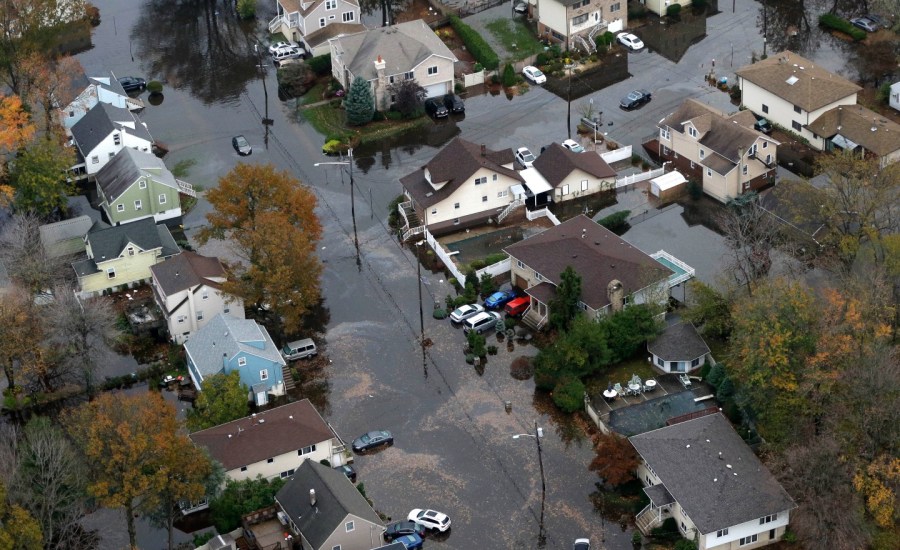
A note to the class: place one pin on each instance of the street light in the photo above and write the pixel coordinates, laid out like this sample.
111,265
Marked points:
421,313
349,162
537,435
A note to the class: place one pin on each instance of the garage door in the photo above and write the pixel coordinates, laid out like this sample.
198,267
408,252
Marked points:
436,89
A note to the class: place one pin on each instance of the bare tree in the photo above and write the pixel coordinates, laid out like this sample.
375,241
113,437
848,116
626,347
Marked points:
750,234
24,256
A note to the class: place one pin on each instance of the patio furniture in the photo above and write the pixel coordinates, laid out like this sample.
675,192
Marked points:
635,384
610,395
634,389
649,384
619,390
685,381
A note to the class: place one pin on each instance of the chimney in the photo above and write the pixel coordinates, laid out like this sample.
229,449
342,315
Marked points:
312,497
615,293
483,150
379,65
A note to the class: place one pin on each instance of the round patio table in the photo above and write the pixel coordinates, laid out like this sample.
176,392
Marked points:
634,387
651,384
609,395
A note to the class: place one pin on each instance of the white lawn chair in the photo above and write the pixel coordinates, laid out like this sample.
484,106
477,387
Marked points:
620,390
685,381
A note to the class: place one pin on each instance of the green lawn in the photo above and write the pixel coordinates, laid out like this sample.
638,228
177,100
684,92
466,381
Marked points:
516,36
328,120
325,119
314,94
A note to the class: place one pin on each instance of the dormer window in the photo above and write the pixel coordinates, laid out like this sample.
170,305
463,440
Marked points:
692,131
130,250
142,184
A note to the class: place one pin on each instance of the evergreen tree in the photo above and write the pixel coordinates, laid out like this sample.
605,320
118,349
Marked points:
360,103
565,307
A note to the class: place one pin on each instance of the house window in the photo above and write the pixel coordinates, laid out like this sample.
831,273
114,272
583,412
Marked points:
765,108
702,154
284,475
111,273
797,109
336,547
494,177
243,468
270,460
130,250
768,519
748,540
722,532
226,310
331,4
321,22
111,154
348,16
432,70
242,361
391,81
456,205
484,198
584,185
306,450
120,208
434,210
117,139
664,133
752,150
565,189
683,527
349,526
71,114
615,7
795,125
456,221
137,205
579,20
709,172
205,295
501,194
744,169
199,315
765,145
142,184
95,159
692,165
695,362
660,362
479,181
264,374
692,131
162,199
181,319
519,264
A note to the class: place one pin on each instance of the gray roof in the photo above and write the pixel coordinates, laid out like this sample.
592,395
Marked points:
336,498
658,495
715,477
109,242
113,86
127,167
100,121
679,342
326,33
187,270
65,237
721,133
226,336
402,47
557,162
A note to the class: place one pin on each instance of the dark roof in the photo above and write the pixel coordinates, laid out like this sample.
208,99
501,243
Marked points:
658,495
796,203
109,242
557,162
323,35
336,497
127,167
595,253
719,163
679,342
113,86
455,164
712,473
542,292
264,435
100,121
873,131
85,267
187,270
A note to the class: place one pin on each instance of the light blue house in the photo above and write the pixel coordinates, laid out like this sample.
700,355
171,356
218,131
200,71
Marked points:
226,345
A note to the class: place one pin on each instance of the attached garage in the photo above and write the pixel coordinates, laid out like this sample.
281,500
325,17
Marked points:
436,90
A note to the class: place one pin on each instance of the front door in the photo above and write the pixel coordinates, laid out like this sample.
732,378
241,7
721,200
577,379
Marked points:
262,398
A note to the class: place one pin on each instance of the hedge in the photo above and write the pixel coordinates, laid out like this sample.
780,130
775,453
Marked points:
831,21
616,222
320,64
480,50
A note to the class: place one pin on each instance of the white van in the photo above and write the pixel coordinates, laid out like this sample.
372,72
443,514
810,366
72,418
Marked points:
301,349
482,322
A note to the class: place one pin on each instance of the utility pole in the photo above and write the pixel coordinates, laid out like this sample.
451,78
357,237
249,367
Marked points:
538,433
349,162
262,75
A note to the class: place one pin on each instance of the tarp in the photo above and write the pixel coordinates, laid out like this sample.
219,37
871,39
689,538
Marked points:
535,181
666,181
844,143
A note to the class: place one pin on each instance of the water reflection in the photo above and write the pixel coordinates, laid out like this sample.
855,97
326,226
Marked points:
430,134
200,46
672,38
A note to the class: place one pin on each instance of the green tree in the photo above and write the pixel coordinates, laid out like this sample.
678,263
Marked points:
629,329
38,176
509,76
408,98
246,8
360,103
568,394
564,307
223,399
242,497
709,309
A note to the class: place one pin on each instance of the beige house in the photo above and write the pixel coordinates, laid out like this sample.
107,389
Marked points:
326,512
572,175
389,55
659,7
721,151
702,474
121,256
793,92
576,24
188,290
304,21
855,128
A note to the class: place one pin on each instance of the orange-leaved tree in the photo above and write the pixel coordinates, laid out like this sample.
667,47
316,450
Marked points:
616,459
16,129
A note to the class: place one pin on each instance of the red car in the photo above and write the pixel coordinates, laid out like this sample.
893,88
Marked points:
517,307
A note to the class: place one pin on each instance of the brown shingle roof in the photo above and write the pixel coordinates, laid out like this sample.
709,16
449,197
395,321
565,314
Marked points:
323,35
557,162
265,435
187,270
719,132
874,132
814,88
594,252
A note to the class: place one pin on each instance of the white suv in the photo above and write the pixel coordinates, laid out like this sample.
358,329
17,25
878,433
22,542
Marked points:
289,52
482,322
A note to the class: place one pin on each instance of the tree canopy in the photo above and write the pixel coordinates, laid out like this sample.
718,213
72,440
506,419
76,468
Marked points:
223,399
564,307
39,178
360,102
242,497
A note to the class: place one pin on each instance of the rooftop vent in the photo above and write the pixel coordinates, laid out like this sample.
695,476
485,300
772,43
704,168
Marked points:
728,466
262,420
312,497
688,446
792,80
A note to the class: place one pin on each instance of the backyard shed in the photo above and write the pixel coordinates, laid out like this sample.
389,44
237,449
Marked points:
679,348
667,186
894,99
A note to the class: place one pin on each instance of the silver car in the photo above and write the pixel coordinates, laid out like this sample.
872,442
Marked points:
462,313
482,322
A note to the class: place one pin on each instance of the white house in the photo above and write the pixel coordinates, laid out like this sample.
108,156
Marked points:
299,20
389,55
572,175
679,348
701,473
659,7
188,290
94,90
855,128
104,131
576,24
894,98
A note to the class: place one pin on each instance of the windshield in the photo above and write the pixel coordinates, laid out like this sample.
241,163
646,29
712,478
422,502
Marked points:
537,72
527,156
365,438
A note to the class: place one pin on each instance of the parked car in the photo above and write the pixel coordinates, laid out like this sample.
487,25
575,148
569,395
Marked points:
499,299
582,544
132,83
573,146
462,313
348,471
878,20
430,519
435,107
521,8
764,126
865,24
301,349
524,156
411,542
517,307
372,440
241,145
277,46
534,74
454,103
289,52
482,322
635,99
630,41
400,528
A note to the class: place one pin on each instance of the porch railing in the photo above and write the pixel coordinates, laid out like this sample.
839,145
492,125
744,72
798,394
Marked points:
186,188
508,210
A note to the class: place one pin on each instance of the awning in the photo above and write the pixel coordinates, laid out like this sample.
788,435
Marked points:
517,191
535,181
844,143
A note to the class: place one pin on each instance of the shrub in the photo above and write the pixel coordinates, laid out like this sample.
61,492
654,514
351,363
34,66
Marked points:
542,59
439,313
477,344
295,79
521,368
884,93
470,358
832,21
608,38
699,5
475,44
636,538
616,222
636,159
509,323
636,11
320,64
509,76
246,9
492,349
685,544
478,67
155,87
568,394
487,285
673,10
332,147
695,190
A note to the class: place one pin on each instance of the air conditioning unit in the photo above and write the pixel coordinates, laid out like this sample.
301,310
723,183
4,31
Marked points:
282,517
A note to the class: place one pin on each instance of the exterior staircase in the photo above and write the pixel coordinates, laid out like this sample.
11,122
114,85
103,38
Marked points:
532,320
288,378
186,188
647,519
509,209
587,46
134,104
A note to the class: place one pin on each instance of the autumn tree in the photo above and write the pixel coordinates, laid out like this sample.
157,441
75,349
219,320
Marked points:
47,83
223,399
21,352
18,529
269,218
188,469
25,257
16,129
750,235
616,459
709,309
129,443
38,175
564,307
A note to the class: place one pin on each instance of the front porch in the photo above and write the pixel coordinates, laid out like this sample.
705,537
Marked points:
657,511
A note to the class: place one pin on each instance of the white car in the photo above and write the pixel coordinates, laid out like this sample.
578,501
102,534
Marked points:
534,74
630,41
462,313
278,46
430,519
573,146
288,52
524,156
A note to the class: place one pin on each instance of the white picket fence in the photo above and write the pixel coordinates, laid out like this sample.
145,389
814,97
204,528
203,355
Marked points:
621,153
444,256
499,268
643,176
533,215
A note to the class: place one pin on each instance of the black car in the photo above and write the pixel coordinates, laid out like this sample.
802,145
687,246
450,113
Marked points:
372,440
635,99
454,103
764,126
348,471
435,107
132,83
401,528
241,145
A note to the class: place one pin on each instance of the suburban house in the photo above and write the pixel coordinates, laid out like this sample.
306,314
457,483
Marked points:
300,20
659,7
855,128
121,255
91,91
66,237
679,348
721,151
576,24
464,185
188,290
797,206
272,443
135,185
701,473
327,512
894,97
572,175
613,273
793,92
228,344
104,131
386,56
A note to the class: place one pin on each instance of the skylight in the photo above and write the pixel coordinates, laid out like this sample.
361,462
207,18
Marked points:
792,80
